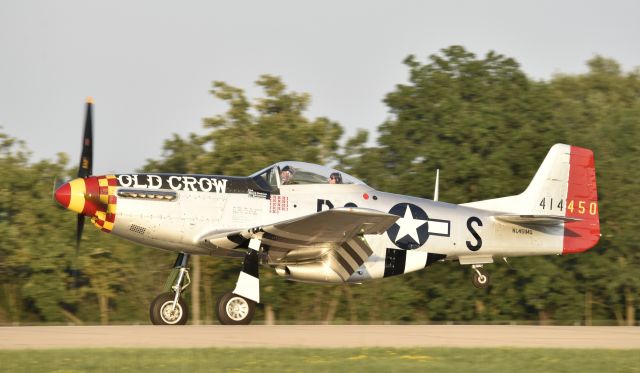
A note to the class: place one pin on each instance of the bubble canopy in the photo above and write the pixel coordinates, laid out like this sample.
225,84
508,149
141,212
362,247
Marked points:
301,173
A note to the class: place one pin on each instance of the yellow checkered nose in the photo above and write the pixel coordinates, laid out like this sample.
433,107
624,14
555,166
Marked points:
92,196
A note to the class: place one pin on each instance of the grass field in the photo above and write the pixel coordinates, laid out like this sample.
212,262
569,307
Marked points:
492,360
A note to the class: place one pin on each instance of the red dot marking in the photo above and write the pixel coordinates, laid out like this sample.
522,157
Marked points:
365,196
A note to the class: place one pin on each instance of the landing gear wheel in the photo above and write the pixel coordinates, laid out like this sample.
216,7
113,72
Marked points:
233,309
480,278
162,312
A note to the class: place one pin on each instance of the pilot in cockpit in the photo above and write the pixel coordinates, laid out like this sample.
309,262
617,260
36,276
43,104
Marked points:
335,178
286,175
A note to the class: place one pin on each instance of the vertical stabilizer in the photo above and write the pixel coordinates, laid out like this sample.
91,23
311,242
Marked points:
563,186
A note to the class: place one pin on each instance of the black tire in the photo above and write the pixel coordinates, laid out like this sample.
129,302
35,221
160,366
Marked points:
480,281
160,311
233,309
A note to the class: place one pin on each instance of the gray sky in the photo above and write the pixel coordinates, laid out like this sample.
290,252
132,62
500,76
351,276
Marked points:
149,64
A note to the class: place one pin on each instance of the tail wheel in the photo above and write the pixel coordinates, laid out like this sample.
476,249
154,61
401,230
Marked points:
480,278
233,309
163,312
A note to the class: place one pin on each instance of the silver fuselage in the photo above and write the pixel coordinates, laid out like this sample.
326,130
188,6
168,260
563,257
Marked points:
454,232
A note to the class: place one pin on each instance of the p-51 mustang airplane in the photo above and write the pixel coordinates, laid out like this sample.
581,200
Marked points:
319,225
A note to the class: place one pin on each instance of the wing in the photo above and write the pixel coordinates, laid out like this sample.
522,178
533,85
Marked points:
333,235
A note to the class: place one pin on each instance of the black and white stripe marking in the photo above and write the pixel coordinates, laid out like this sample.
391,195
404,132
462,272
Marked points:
348,257
398,262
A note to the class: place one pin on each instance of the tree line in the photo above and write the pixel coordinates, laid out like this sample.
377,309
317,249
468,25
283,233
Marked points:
480,120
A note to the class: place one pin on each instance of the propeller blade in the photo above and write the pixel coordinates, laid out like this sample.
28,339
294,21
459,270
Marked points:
75,270
79,228
85,169
86,159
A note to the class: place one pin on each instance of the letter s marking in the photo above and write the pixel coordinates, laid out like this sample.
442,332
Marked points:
478,244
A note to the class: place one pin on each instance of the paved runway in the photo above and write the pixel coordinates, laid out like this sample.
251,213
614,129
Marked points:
326,336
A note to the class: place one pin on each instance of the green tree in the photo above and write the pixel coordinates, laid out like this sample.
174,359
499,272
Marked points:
34,254
600,110
468,117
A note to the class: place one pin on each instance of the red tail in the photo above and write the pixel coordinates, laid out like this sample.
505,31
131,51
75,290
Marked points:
582,203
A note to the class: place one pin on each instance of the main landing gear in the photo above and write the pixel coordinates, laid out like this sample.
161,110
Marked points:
238,306
233,308
480,277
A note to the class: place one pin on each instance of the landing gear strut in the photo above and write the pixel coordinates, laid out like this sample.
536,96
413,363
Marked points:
169,308
480,277
238,306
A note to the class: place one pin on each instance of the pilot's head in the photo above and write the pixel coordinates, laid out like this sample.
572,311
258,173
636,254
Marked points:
286,175
335,178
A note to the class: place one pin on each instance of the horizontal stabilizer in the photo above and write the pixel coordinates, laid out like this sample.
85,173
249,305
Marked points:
536,219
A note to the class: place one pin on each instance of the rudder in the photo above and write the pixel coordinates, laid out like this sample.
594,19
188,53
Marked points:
582,203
